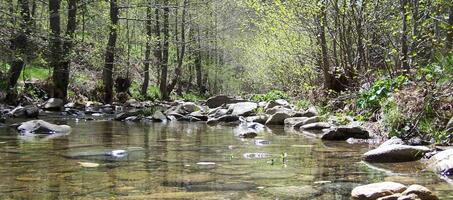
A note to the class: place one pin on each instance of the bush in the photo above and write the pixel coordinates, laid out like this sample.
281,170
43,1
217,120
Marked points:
303,104
192,97
270,96
381,89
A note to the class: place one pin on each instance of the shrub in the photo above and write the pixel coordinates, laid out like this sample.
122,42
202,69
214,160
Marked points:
192,97
270,96
381,89
303,104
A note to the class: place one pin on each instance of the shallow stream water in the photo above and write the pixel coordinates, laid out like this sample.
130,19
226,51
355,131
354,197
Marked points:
189,161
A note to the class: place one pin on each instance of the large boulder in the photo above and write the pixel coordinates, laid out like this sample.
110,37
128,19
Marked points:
278,118
442,163
41,126
345,132
395,153
421,192
243,108
190,107
258,118
220,100
54,104
278,102
376,190
277,109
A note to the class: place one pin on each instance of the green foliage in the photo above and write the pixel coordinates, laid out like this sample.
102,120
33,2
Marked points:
149,111
192,97
381,89
303,104
270,96
341,118
394,120
154,92
34,72
440,71
259,110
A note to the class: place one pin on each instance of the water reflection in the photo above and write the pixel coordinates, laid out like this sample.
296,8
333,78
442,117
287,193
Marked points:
188,160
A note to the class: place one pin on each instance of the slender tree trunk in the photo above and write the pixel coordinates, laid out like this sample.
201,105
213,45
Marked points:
165,45
181,51
107,72
149,32
198,65
404,46
62,65
449,41
324,52
19,43
157,52
56,50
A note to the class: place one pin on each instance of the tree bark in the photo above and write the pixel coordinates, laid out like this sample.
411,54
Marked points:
19,43
404,46
107,72
149,32
198,64
324,52
165,45
449,42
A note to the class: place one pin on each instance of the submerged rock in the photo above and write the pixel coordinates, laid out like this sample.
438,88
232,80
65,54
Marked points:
376,190
292,192
395,153
41,126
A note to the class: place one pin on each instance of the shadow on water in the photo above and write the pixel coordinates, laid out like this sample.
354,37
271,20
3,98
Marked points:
189,160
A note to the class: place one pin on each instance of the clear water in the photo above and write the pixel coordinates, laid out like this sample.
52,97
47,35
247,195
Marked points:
190,161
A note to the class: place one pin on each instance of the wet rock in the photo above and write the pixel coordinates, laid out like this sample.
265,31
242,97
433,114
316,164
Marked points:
292,192
278,102
122,116
345,132
310,112
41,126
277,109
133,103
393,141
190,107
199,115
391,197
294,120
257,119
54,104
421,192
29,111
158,116
376,190
308,120
243,108
442,163
249,134
316,126
395,153
220,100
278,118
133,119
225,118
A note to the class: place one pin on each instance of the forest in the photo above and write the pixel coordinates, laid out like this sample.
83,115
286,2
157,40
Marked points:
385,64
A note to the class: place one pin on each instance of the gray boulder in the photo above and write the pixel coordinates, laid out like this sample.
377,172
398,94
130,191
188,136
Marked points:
278,118
243,108
158,116
316,126
54,104
123,115
395,153
442,163
376,190
392,141
190,107
308,120
224,119
41,126
199,115
277,109
345,132
310,112
29,111
220,100
278,102
421,192
258,119
294,120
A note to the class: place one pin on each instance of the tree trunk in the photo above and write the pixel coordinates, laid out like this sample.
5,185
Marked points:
62,65
198,65
324,52
181,51
404,46
147,49
18,44
107,72
449,41
165,45
157,52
